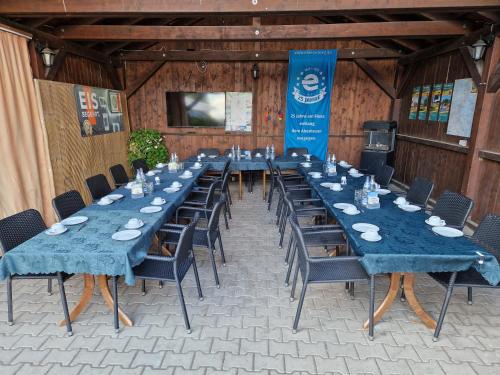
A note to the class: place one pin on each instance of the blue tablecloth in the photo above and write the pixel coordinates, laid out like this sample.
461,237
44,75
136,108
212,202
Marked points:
408,244
91,249
253,164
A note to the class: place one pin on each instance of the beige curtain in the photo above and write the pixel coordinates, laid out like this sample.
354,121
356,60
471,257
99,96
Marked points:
25,170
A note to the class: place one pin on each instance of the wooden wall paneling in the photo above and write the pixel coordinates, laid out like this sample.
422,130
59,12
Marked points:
82,71
73,157
493,142
488,191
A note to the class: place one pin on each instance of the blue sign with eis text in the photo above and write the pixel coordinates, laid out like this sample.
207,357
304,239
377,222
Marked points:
310,81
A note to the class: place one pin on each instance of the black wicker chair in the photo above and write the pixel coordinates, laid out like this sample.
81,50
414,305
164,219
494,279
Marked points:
383,175
224,188
203,237
297,150
98,186
315,236
453,208
173,269
209,151
420,191
321,269
119,175
19,228
487,235
67,204
140,164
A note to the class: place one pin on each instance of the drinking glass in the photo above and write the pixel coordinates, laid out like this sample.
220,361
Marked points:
148,187
358,196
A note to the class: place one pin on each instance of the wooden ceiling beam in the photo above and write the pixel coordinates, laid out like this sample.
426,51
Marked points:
250,8
445,47
376,77
494,81
220,55
37,22
402,29
55,42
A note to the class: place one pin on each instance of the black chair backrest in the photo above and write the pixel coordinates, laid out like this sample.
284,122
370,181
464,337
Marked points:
227,151
302,253
98,186
261,151
420,191
19,228
68,203
209,200
119,175
140,163
185,244
226,167
208,151
225,182
487,234
270,166
297,150
213,222
384,175
453,208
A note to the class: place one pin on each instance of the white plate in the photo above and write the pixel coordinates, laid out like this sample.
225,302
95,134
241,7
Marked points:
212,156
184,177
327,185
134,227
343,206
74,220
50,232
150,174
150,209
163,201
409,207
441,224
155,171
294,155
170,190
115,197
100,203
344,164
365,227
447,231
161,165
394,201
351,213
126,235
336,190
356,175
306,165
313,172
193,167
370,239
317,176
383,191
129,185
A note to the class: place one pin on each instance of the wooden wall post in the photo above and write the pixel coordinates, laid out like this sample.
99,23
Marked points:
481,123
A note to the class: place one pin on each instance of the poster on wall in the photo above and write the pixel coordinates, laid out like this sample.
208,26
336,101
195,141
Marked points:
415,96
310,81
239,111
435,101
462,108
424,102
99,110
444,106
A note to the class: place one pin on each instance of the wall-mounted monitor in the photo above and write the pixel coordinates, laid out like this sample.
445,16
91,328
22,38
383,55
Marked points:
196,109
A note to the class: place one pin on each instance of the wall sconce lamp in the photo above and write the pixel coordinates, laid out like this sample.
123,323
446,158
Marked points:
477,49
48,56
255,71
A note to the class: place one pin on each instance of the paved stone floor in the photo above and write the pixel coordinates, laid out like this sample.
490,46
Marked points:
245,326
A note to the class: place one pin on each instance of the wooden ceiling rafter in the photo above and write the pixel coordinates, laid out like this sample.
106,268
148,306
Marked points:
376,77
366,30
214,7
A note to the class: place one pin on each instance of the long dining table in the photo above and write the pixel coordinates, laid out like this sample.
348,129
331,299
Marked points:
88,248
251,164
408,245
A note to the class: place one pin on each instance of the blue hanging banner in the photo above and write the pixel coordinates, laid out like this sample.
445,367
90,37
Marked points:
310,80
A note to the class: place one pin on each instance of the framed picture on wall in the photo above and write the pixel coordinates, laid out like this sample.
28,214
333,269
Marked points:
415,97
115,104
424,102
435,101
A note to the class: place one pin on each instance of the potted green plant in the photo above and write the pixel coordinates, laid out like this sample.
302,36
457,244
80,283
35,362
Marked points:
147,145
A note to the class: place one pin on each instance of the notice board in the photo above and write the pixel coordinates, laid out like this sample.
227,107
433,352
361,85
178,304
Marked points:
239,111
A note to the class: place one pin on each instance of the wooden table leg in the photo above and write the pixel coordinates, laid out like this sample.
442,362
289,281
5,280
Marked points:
264,184
88,289
388,300
241,185
409,283
102,280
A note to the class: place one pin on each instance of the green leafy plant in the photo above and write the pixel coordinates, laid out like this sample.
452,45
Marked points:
147,145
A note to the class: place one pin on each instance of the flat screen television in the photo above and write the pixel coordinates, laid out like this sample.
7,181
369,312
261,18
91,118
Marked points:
196,109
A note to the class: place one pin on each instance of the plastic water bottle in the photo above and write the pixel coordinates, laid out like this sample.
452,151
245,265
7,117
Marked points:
373,200
273,155
267,151
238,153
366,189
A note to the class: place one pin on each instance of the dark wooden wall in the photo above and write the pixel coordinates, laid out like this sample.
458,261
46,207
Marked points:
355,98
82,71
424,149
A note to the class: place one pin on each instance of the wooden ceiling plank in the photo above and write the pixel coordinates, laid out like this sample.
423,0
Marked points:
376,77
494,81
139,82
242,55
217,7
37,22
402,29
